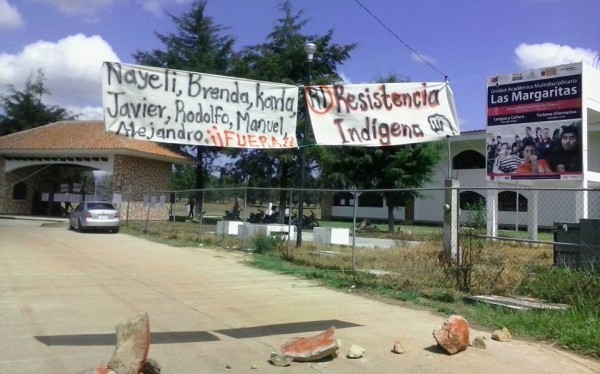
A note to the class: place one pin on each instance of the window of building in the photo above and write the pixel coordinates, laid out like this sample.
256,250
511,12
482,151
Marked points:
20,191
469,199
343,199
468,159
507,202
370,199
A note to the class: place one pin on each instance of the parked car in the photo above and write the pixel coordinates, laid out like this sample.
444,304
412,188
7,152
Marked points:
94,215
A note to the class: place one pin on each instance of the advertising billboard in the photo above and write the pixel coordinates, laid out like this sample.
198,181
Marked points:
534,124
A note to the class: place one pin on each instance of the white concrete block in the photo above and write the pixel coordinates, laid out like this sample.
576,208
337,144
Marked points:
225,228
250,230
330,235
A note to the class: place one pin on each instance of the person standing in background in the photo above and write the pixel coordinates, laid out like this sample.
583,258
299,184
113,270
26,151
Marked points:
192,205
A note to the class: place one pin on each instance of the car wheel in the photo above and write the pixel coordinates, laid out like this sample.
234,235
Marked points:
115,230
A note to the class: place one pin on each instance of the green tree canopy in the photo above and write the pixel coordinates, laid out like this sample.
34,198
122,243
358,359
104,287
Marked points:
397,169
25,110
199,45
282,59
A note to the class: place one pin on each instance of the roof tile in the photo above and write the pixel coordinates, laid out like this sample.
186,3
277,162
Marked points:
84,135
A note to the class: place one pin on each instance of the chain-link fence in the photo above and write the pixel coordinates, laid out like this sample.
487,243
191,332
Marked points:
507,235
392,237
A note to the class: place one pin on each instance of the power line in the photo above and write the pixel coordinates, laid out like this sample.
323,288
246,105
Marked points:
400,39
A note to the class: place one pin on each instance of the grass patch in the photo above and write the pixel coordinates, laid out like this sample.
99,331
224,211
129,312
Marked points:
575,329
420,276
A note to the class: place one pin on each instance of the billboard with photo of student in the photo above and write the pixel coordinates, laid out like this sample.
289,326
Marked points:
534,125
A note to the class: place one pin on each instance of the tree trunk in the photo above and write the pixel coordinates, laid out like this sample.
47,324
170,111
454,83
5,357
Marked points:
409,210
390,217
200,181
283,183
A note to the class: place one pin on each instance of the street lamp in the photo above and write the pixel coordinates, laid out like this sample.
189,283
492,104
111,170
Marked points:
310,49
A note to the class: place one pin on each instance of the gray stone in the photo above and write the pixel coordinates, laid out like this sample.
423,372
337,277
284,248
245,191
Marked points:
151,367
502,335
355,351
478,342
398,348
280,360
133,343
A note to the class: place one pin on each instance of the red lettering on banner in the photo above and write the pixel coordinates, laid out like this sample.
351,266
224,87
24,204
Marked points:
229,138
323,99
263,141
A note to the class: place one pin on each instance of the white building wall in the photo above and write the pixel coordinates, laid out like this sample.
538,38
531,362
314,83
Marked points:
366,212
554,205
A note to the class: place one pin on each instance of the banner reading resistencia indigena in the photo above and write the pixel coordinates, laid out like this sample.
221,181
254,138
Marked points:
382,114
181,107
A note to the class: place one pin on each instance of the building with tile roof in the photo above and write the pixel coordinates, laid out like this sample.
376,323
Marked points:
48,166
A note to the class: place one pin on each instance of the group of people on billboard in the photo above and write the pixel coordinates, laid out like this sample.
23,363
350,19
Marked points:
547,150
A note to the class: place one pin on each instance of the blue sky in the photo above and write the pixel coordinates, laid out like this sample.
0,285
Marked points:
467,40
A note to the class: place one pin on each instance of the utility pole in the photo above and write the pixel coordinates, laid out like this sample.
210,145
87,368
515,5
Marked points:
310,49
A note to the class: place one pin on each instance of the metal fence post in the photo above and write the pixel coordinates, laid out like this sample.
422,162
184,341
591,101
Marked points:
147,213
451,220
173,215
201,216
244,222
355,201
491,209
128,199
287,254
532,221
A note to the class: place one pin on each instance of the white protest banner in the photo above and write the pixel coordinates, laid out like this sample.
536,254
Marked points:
381,114
174,106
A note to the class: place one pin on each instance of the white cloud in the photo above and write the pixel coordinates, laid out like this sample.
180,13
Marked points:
10,18
344,79
86,112
529,56
157,7
152,6
422,58
88,8
72,68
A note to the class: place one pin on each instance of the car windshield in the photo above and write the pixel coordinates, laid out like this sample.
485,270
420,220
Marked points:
91,206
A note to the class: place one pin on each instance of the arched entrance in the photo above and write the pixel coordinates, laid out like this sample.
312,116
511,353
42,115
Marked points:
53,190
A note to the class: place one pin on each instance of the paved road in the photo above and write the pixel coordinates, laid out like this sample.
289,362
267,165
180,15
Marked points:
62,292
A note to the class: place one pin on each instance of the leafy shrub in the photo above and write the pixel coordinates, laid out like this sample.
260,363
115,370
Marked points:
264,243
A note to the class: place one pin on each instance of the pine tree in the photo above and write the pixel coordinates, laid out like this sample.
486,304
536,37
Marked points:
25,110
282,59
397,169
199,45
